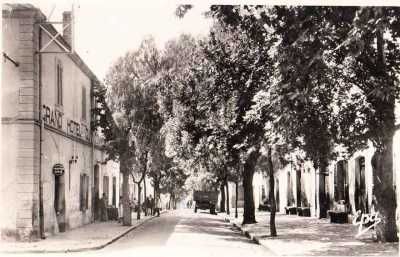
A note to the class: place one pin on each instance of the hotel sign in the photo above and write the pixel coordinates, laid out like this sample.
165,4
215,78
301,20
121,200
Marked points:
56,119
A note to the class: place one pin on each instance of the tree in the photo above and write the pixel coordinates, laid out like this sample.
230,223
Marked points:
132,97
174,184
113,121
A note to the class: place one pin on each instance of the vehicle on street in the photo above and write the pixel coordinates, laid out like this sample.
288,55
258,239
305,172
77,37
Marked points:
205,200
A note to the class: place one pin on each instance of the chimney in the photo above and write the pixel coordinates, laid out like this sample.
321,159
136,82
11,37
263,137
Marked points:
67,33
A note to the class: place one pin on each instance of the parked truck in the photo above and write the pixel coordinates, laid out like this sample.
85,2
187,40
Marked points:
205,200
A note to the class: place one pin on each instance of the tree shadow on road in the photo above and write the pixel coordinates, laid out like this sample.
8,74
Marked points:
213,227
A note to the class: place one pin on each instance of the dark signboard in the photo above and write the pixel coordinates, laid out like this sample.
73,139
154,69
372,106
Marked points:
58,169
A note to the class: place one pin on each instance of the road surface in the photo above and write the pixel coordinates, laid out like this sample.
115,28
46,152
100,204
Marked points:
184,233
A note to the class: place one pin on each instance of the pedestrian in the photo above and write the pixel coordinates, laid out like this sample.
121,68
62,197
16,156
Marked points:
103,208
134,205
120,210
157,206
151,203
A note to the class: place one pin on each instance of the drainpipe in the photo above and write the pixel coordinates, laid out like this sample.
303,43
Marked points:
41,212
92,172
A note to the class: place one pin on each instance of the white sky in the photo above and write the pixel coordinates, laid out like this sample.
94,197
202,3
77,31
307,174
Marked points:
106,29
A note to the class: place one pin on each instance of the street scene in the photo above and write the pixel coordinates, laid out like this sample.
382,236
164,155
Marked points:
170,129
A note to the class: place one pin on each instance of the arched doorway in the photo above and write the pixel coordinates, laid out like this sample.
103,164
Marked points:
59,196
360,193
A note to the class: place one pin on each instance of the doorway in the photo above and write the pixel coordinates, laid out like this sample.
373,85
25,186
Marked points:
360,193
341,182
298,188
114,191
96,190
59,201
290,196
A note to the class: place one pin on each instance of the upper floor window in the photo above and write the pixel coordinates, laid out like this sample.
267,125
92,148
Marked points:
84,103
59,82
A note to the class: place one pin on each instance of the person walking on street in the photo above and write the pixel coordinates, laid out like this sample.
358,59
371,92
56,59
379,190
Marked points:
133,205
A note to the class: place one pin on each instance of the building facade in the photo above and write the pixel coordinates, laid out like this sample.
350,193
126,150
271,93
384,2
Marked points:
53,166
348,184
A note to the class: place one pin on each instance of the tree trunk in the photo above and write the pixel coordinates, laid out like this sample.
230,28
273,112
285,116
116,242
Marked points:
384,196
222,202
139,202
127,215
272,226
248,172
227,198
236,198
173,202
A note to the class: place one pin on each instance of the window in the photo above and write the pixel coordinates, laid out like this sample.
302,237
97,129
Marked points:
59,82
84,192
83,103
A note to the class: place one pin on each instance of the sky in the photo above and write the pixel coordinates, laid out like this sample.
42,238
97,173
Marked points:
107,29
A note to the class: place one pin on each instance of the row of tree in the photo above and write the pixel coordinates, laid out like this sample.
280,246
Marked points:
265,82
312,79
127,114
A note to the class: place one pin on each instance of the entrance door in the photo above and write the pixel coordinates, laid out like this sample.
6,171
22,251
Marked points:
59,201
96,190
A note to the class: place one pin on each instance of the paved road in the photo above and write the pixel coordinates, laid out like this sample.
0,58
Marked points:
184,233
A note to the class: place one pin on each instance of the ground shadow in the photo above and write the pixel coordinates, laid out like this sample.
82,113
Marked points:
212,226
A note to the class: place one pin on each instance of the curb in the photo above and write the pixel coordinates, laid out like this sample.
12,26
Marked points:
83,249
251,237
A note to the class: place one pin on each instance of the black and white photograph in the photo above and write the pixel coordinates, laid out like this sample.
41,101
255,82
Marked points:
200,128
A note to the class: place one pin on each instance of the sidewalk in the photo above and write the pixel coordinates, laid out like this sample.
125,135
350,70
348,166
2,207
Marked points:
312,237
89,237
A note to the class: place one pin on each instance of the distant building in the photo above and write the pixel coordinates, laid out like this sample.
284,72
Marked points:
53,169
